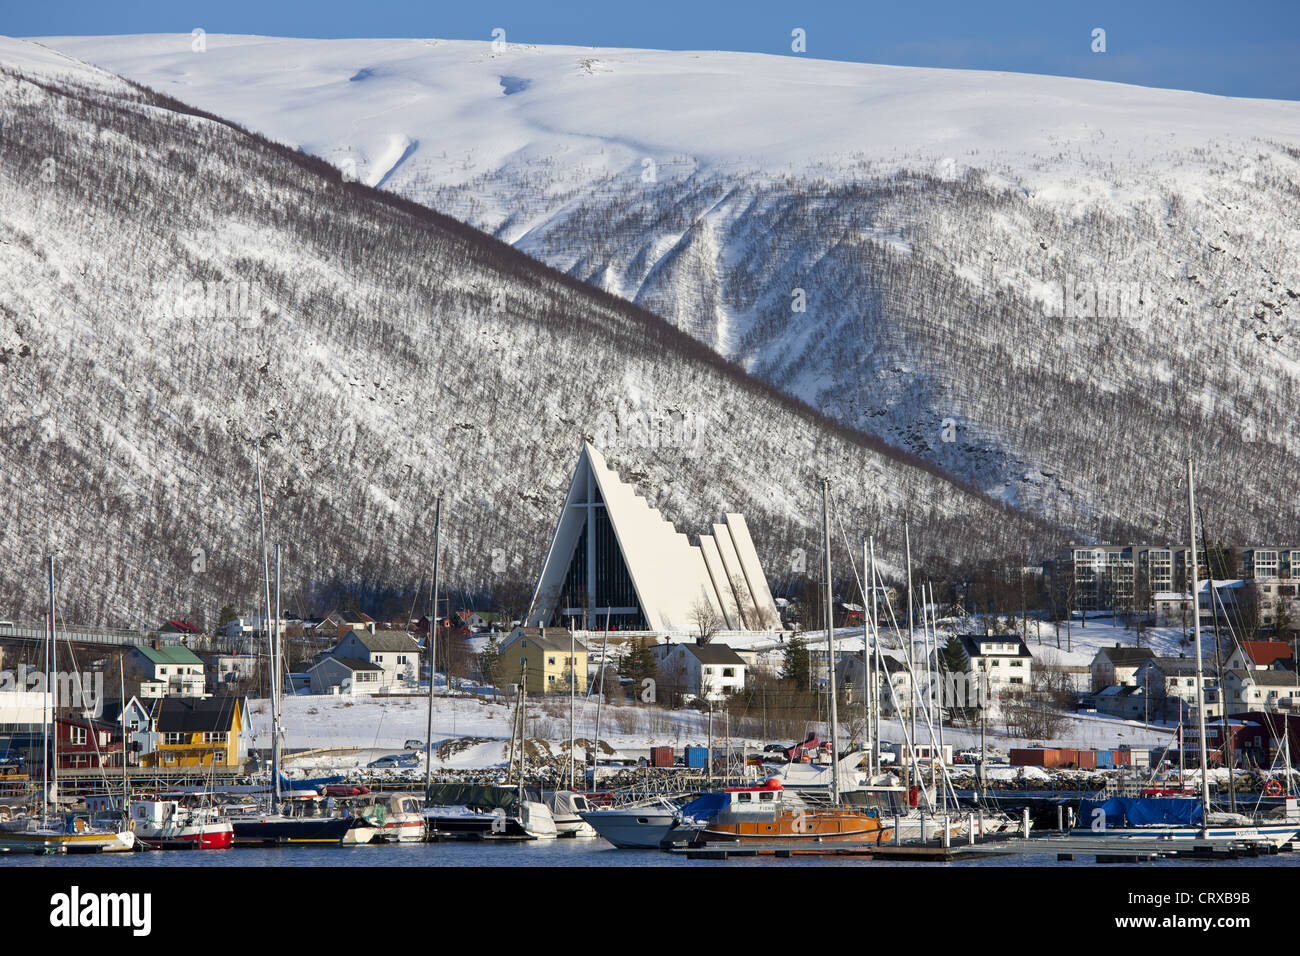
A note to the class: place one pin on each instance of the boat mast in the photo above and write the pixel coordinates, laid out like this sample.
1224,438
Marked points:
875,633
1218,672
51,758
278,682
830,642
573,677
429,642
911,651
1200,672
266,597
867,608
126,787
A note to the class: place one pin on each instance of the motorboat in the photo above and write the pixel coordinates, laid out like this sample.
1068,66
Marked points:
479,812
567,807
634,827
170,825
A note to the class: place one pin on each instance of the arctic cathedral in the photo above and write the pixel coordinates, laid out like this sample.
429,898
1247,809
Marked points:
614,559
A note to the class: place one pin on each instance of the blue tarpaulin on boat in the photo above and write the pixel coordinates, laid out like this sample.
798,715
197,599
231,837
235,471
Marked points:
705,806
1140,812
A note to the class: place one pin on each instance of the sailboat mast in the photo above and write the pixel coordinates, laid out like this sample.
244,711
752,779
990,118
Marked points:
866,668
277,683
911,649
266,598
429,641
830,641
875,633
51,759
1196,624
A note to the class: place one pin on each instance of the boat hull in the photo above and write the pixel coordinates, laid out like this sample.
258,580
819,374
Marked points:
631,829
209,836
290,831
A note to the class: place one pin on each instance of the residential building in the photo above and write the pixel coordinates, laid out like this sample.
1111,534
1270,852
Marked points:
1173,609
396,653
345,675
86,743
710,671
1118,665
1266,690
168,671
198,732
544,654
1171,684
225,669
1260,656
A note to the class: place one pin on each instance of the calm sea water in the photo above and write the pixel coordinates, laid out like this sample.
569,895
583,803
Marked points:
561,853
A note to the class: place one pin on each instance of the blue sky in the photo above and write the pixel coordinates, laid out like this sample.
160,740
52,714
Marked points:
1233,49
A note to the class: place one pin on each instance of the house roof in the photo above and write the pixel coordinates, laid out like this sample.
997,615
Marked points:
971,644
1270,678
184,627
1127,656
382,641
170,654
547,638
351,663
1174,666
1266,653
196,714
714,653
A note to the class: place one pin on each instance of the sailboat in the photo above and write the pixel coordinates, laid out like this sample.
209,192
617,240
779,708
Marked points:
303,824
768,813
58,833
1179,818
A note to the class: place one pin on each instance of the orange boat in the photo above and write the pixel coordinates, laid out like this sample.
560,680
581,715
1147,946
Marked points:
769,813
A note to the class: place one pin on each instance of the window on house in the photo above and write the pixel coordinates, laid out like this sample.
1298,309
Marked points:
550,660
78,735
728,672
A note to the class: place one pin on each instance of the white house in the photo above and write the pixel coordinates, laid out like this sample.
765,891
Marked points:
1266,690
1171,684
345,675
395,652
1173,608
711,671
1000,664
1118,665
169,671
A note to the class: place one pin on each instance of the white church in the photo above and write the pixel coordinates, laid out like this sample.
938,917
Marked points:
615,559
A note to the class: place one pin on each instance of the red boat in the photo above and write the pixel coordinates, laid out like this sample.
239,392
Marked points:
166,825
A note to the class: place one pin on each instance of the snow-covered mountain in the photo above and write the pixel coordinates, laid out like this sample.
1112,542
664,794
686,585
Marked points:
176,291
1050,287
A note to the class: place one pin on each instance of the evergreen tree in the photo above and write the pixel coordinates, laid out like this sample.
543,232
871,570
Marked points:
797,666
228,614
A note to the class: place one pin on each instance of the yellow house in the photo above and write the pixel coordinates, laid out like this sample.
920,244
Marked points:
544,654
198,732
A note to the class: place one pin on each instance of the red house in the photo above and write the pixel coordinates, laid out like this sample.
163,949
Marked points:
84,743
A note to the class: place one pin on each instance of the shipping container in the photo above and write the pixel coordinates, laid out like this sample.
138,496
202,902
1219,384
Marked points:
1123,758
661,756
1105,760
697,757
1087,760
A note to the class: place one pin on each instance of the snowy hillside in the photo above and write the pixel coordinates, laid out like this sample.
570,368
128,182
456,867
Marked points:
174,291
1051,287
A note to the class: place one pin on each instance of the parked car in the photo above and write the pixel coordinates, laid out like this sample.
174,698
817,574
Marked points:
413,744
394,762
